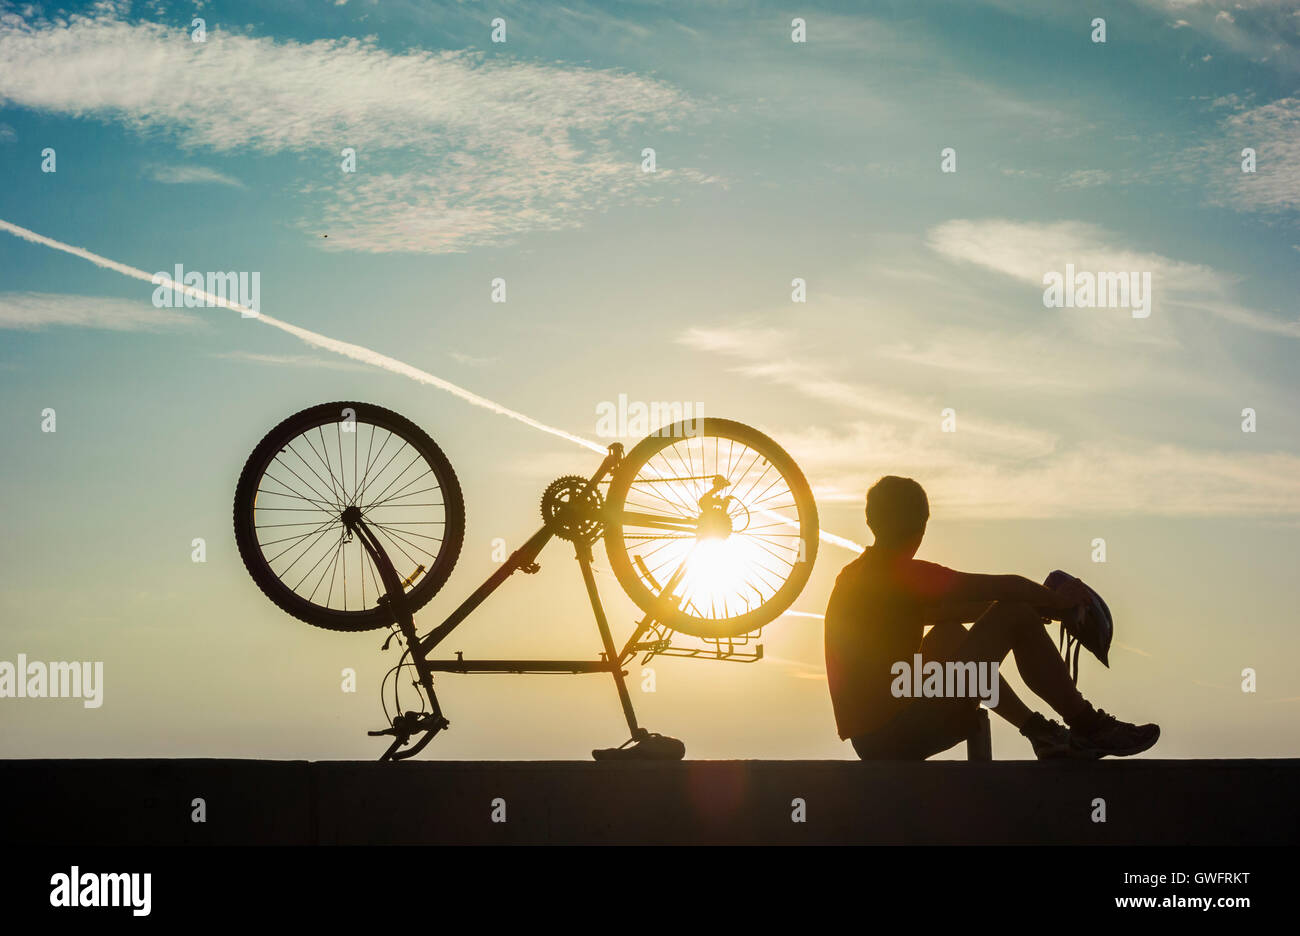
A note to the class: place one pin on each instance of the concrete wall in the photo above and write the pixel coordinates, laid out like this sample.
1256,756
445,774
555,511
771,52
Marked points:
297,802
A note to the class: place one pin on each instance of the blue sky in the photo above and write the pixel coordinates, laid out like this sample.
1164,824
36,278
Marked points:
775,160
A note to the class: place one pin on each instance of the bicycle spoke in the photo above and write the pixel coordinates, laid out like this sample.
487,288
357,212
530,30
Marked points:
671,523
315,556
397,495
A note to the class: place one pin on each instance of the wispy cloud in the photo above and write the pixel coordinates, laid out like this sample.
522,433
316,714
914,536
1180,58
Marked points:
189,175
1085,178
30,311
288,360
504,147
774,355
1131,649
1026,251
1265,31
1273,131
801,669
993,469
1078,357
470,360
1117,477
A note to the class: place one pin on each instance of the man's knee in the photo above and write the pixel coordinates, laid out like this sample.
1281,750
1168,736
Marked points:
943,640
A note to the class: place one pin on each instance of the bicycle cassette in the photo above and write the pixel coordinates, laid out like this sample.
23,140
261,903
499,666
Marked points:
571,509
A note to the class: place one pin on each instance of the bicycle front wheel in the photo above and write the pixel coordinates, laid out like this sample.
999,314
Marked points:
289,504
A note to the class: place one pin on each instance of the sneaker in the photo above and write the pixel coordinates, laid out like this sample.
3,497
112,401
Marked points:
1110,736
1053,741
646,746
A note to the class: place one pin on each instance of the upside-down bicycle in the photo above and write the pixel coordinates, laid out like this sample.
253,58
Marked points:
349,517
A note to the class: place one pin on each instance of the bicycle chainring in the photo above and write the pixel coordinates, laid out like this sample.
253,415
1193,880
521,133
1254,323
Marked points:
571,509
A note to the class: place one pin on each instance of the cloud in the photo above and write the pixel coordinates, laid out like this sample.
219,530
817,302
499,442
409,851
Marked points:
1273,131
30,311
1121,477
470,360
1078,356
771,355
991,469
801,669
1263,31
503,147
1026,251
1211,165
288,360
189,175
7,133
1085,178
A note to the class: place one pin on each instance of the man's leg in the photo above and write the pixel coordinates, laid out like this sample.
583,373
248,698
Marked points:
1014,628
1018,629
946,641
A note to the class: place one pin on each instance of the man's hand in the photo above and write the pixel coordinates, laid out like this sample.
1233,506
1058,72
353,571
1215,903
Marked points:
1070,595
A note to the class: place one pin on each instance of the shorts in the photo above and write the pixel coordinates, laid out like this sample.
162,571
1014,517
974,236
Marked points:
925,726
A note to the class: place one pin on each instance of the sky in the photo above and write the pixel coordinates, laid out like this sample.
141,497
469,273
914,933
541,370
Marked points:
524,160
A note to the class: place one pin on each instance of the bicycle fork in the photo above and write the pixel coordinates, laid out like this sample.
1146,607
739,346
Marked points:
405,724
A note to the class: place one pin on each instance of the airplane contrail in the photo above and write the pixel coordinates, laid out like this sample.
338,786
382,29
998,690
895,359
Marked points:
345,348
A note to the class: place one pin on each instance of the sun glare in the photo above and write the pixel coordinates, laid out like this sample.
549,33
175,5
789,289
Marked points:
716,575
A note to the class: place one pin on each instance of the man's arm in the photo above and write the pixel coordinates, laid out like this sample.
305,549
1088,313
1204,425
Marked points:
969,587
958,612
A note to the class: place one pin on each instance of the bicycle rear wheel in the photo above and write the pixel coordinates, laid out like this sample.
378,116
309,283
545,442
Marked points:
291,496
711,528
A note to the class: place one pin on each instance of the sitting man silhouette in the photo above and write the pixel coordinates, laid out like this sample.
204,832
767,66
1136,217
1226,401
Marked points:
878,610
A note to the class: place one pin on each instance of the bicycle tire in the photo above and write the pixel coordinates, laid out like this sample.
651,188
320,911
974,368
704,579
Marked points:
633,582
246,489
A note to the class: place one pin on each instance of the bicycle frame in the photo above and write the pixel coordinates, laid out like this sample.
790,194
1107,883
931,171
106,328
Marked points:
612,660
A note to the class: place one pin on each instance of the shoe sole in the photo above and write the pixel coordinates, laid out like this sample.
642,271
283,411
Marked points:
1070,753
1129,752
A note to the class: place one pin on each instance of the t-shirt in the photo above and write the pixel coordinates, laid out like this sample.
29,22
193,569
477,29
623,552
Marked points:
876,618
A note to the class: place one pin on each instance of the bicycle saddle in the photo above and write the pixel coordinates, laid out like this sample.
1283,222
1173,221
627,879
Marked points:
648,746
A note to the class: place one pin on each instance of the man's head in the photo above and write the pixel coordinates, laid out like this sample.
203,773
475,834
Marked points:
897,511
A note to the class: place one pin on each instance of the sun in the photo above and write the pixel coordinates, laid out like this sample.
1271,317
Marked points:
716,575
